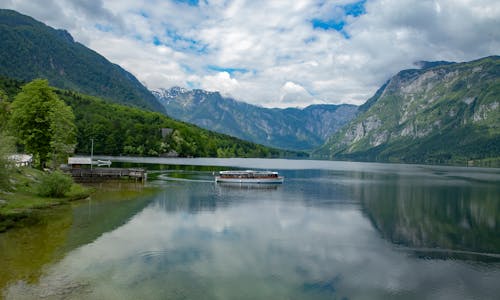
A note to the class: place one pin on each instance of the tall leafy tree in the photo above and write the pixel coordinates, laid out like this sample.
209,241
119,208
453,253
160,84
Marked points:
42,122
63,130
4,111
6,145
6,148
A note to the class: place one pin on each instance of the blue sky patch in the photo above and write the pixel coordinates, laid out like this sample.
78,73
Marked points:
156,41
181,43
103,28
188,2
229,70
328,24
355,9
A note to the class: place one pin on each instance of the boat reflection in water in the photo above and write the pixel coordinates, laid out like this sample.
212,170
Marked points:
246,186
249,177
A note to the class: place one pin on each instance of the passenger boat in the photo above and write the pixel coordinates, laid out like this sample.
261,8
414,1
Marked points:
249,176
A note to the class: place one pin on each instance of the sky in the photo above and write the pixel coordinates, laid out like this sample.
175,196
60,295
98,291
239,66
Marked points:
275,53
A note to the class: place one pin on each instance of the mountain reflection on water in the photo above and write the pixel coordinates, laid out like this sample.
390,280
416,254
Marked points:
438,218
331,231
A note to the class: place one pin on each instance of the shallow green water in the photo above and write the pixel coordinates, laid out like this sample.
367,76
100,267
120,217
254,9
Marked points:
331,231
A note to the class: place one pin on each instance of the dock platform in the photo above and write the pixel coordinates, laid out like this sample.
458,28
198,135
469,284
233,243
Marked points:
84,174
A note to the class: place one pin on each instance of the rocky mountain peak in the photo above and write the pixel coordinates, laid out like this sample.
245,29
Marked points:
431,64
441,113
289,128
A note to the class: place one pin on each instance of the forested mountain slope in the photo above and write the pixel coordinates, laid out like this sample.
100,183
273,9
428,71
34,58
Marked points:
124,130
442,113
30,49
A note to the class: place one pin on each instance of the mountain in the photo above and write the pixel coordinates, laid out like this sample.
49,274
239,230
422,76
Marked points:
123,130
30,49
442,113
291,128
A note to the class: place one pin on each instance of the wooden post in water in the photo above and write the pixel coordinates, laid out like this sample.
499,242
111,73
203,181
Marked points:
91,153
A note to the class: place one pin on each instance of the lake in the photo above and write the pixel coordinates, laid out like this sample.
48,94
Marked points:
332,230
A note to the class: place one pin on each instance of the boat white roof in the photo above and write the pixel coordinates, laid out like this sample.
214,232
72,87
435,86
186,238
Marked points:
247,172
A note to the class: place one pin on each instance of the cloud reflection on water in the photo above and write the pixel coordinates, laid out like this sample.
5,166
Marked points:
296,241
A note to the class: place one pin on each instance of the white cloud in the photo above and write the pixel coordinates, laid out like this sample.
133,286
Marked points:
292,93
221,81
258,48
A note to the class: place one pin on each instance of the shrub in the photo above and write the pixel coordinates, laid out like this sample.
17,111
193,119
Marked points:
55,184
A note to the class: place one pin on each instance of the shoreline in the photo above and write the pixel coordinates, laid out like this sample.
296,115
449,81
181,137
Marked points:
21,204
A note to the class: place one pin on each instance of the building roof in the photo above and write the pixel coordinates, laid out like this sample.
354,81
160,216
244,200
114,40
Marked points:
21,158
79,160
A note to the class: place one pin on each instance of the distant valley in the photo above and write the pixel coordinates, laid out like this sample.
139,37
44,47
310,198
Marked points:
110,105
439,113
291,128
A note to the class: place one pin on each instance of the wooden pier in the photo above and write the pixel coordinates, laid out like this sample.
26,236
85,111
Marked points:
84,174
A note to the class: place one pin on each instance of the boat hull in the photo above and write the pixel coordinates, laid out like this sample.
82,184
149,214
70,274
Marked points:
250,180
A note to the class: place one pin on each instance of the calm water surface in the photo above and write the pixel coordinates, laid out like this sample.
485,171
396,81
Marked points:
331,231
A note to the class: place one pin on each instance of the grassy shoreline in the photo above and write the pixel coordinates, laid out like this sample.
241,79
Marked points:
19,206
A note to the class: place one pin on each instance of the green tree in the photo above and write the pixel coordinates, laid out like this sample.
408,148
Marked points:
4,110
6,144
63,130
6,148
42,122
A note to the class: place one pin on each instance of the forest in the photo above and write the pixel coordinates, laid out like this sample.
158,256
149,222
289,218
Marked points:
123,130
